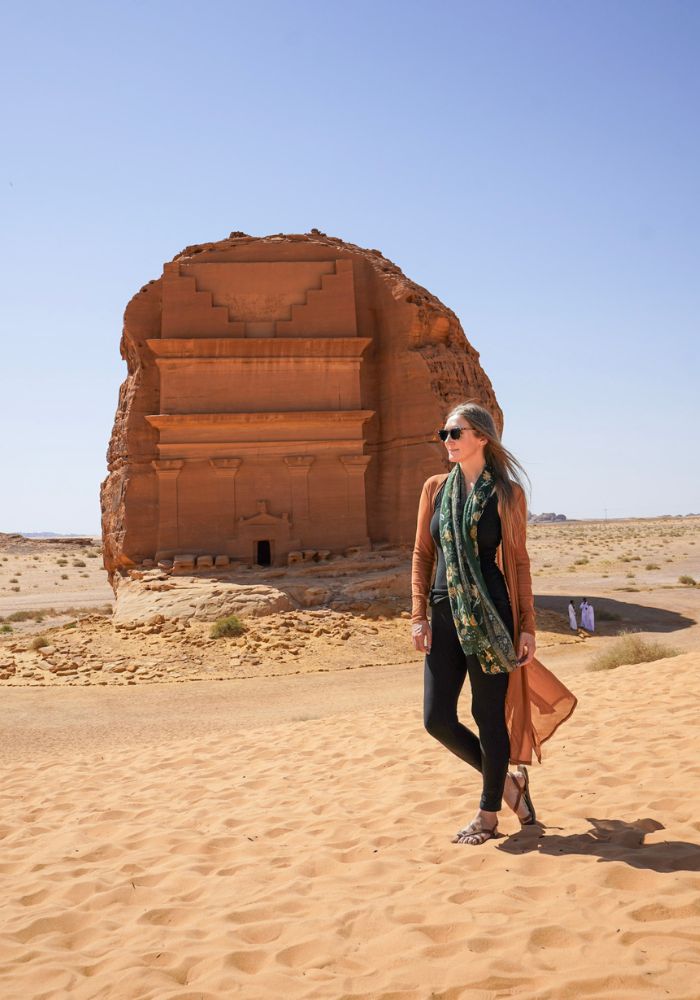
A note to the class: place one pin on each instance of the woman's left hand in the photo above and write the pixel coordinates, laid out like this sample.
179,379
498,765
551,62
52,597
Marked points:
526,648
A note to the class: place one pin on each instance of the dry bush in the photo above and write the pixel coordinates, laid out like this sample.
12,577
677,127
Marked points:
631,648
230,625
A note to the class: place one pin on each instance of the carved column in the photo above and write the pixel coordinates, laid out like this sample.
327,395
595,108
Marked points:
227,469
299,466
167,470
355,466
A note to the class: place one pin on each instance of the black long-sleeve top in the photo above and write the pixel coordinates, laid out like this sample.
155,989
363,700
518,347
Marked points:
488,536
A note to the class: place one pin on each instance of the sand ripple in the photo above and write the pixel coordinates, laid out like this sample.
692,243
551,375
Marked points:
313,860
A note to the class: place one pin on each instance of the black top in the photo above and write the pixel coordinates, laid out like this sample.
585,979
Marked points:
488,536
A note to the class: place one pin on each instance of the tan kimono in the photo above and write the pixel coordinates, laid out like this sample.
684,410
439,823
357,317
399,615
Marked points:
536,702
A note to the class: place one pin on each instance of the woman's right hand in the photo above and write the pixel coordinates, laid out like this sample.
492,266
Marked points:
422,636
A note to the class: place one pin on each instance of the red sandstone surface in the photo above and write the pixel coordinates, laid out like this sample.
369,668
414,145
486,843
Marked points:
280,405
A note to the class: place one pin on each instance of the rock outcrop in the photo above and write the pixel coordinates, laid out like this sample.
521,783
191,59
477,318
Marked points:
281,403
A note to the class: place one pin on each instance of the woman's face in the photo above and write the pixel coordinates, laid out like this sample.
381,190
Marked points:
470,444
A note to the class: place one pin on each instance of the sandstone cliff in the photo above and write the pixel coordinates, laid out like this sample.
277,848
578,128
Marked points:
254,366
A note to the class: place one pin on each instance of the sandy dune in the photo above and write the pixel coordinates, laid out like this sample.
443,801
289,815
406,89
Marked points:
313,859
282,827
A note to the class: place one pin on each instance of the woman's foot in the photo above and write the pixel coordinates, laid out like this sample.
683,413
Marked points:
481,828
516,793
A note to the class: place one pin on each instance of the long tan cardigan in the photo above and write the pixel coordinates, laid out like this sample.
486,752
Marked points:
536,702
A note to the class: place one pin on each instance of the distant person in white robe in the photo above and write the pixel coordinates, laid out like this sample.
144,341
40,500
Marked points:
583,608
590,617
572,616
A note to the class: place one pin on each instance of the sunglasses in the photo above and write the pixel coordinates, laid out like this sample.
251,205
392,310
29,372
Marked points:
454,432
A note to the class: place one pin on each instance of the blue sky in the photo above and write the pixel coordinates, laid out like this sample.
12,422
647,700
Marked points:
535,165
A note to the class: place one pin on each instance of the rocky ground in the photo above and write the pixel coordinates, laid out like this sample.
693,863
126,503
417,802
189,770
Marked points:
60,624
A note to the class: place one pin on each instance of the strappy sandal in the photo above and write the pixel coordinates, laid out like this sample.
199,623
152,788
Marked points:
472,830
524,794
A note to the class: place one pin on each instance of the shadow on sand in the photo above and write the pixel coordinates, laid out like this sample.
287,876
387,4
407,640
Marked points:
610,840
646,619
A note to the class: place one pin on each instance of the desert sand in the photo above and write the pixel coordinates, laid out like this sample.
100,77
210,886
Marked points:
283,827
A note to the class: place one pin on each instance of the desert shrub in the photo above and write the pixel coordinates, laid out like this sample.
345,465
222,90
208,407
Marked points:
230,625
64,576
19,616
652,566
5,628
631,648
62,562
687,581
581,562
79,562
38,641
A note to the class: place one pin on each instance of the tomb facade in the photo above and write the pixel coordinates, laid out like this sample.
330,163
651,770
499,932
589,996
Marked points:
282,397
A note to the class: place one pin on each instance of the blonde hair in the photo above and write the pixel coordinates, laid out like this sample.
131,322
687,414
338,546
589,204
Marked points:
507,469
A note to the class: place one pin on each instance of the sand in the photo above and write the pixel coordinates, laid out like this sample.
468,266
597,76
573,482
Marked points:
313,858
289,834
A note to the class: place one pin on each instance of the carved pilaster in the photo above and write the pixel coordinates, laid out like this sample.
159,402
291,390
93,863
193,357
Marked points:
227,469
167,471
299,466
355,466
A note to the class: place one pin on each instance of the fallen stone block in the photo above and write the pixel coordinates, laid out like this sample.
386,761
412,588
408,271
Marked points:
183,564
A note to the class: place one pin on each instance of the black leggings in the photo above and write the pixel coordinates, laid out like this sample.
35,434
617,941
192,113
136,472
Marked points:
446,667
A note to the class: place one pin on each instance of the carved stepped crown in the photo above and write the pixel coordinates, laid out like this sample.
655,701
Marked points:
284,299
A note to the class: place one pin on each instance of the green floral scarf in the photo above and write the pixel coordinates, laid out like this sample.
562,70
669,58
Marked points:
479,626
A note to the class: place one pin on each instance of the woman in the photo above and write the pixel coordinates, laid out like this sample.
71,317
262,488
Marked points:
483,619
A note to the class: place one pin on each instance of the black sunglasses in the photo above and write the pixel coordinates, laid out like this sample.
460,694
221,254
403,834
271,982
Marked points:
454,432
